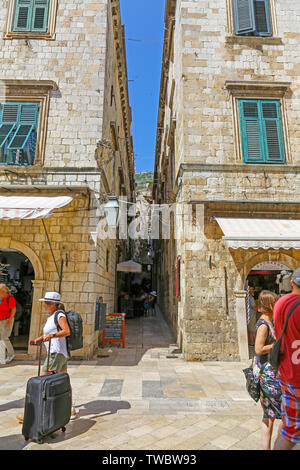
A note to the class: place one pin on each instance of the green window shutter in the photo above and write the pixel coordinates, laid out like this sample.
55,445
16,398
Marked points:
29,113
8,118
40,15
273,136
28,116
262,18
261,131
251,132
22,17
5,132
244,16
20,137
18,132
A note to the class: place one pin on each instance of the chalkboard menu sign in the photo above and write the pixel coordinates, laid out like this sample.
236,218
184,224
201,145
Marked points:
114,331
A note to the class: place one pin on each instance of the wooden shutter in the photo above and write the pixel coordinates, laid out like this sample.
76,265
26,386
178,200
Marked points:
273,137
5,132
20,137
22,17
40,15
262,18
244,16
29,113
9,117
251,132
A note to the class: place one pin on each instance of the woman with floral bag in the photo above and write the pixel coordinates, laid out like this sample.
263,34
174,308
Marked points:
270,390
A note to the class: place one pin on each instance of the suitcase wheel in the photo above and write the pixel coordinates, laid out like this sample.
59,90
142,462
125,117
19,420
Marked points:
63,429
39,441
26,438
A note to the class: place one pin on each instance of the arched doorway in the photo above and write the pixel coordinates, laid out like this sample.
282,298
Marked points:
272,275
17,272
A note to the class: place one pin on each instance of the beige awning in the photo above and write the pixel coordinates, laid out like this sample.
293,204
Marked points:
260,233
30,207
129,267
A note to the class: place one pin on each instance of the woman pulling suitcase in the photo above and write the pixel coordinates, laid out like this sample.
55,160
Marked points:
57,357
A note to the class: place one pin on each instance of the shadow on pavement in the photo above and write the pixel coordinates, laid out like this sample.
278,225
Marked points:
86,418
12,442
12,405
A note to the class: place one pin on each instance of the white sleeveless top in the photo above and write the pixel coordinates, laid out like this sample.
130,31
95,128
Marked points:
58,345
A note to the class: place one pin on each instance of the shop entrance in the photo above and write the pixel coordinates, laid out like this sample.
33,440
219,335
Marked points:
269,275
272,276
16,271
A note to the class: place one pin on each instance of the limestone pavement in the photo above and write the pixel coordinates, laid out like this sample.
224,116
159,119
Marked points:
142,397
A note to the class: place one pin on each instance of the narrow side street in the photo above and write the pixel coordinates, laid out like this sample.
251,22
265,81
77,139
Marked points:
142,397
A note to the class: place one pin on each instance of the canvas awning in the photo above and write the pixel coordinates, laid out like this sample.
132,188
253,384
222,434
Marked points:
30,207
129,267
260,233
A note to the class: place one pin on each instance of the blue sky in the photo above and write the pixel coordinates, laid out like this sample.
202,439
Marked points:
144,32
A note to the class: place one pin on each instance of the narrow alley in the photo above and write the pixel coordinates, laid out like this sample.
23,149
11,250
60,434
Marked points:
142,397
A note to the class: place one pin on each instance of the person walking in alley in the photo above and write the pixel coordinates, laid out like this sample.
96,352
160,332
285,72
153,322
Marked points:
289,368
7,313
270,390
58,353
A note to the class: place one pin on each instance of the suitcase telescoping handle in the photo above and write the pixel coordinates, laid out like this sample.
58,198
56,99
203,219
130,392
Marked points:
40,344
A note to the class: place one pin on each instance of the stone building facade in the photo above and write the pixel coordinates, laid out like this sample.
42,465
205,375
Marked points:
67,62
228,142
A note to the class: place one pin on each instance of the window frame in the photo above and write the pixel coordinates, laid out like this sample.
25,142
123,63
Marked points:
263,91
242,37
262,135
26,92
47,35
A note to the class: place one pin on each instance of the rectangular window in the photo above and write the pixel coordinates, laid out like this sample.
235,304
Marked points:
31,16
18,133
252,17
261,131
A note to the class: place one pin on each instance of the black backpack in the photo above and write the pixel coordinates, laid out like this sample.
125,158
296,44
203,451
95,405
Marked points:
275,353
75,340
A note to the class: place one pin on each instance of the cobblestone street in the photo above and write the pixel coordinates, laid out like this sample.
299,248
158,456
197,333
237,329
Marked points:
142,397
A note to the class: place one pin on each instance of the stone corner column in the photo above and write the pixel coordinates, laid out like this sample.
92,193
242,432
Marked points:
241,319
35,323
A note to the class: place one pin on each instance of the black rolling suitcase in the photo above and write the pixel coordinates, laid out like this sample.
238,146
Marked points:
47,404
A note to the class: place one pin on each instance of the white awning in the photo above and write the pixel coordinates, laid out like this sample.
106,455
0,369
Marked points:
30,207
260,233
129,267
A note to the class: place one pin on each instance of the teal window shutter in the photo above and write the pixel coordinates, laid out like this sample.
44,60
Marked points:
9,116
5,132
22,17
40,15
244,16
272,128
20,137
251,132
31,16
262,18
18,131
261,131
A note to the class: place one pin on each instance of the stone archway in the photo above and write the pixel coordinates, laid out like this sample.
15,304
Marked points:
38,285
269,255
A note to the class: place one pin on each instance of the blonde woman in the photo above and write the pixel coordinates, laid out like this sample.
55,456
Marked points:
270,396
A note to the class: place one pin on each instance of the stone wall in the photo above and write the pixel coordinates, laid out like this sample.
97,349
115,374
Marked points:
75,61
198,124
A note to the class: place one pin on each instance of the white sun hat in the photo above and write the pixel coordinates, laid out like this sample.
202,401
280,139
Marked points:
51,297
